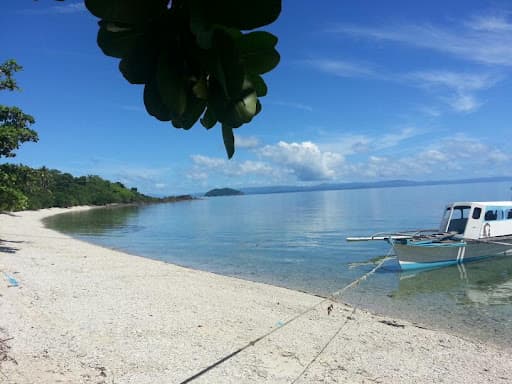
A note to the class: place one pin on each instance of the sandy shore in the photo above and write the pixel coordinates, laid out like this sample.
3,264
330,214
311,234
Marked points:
86,314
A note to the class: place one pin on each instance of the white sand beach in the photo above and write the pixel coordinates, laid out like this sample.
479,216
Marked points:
81,313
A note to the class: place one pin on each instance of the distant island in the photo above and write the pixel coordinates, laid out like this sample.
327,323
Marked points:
368,185
223,192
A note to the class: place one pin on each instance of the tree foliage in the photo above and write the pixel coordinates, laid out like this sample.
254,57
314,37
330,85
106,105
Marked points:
192,56
7,70
23,187
14,131
14,124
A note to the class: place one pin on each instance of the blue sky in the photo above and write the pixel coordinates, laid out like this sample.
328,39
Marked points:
364,92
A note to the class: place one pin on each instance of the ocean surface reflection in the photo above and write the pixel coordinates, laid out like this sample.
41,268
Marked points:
297,240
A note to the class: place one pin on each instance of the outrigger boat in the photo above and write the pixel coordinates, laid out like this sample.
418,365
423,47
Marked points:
468,231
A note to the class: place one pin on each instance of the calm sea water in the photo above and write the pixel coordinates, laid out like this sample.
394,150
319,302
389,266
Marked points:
297,240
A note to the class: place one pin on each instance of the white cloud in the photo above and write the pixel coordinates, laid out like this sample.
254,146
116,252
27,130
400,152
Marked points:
464,103
347,145
454,80
357,158
457,155
304,160
291,104
458,90
484,39
62,9
493,23
69,8
393,139
246,141
203,167
342,68
208,162
460,87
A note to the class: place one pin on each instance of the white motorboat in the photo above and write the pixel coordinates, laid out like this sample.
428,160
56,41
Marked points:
468,231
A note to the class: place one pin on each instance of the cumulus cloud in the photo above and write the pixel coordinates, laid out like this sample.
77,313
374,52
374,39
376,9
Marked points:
208,162
305,160
448,156
203,167
358,157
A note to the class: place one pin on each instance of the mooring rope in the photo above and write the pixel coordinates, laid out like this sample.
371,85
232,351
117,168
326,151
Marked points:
331,297
340,328
287,322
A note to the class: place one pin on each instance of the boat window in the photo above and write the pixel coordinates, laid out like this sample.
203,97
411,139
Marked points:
477,212
509,214
461,212
459,219
446,217
493,214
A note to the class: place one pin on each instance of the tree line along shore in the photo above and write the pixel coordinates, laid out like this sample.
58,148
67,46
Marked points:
30,188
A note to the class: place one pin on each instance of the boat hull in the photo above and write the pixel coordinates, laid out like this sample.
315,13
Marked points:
428,254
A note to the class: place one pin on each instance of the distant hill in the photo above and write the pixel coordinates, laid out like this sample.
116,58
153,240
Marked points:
45,188
223,192
367,185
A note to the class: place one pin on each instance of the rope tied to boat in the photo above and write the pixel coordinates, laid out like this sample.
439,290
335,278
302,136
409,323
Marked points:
331,298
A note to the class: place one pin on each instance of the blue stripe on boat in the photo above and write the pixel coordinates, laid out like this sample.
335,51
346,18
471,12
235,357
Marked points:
408,265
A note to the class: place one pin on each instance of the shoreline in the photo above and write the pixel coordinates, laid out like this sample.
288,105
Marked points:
82,313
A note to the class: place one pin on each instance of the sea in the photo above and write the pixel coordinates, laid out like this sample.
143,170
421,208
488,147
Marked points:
297,240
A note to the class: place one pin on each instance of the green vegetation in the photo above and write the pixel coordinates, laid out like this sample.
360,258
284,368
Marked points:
45,188
22,187
14,131
192,57
223,192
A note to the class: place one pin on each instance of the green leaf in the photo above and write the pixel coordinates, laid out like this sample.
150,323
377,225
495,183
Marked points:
154,104
118,40
229,140
242,111
139,66
195,108
137,69
258,84
209,118
228,69
259,107
218,102
200,89
171,83
257,50
240,14
127,11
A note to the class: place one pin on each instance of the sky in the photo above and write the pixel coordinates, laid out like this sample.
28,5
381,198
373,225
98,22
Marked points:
365,91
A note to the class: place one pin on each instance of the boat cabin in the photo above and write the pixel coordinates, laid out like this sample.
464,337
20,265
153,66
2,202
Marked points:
476,220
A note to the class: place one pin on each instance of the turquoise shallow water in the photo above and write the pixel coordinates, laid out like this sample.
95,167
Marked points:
297,240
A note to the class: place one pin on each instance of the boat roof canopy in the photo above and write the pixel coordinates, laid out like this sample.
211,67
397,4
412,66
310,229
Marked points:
482,203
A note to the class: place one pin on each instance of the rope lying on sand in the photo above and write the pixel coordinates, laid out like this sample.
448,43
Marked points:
281,325
331,297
